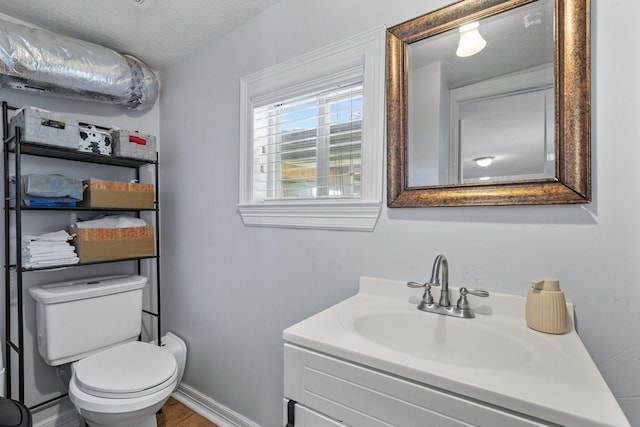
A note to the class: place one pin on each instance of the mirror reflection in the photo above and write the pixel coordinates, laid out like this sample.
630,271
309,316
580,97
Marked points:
480,100
505,120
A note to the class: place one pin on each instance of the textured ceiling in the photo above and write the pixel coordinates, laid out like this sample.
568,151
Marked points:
159,32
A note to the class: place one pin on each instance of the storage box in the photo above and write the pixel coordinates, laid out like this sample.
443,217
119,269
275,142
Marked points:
117,194
107,244
40,127
135,145
95,140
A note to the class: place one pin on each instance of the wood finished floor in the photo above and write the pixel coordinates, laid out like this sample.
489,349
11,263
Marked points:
175,414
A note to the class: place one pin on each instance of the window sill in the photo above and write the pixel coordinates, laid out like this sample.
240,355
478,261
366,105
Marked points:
360,216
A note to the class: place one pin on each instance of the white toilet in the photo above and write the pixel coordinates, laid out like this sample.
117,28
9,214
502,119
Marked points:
94,324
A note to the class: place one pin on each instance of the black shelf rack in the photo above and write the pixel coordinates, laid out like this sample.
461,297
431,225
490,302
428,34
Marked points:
14,147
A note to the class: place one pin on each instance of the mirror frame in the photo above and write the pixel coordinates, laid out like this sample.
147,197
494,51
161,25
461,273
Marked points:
572,74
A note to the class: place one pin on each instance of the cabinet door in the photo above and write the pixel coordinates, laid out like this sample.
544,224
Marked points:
357,396
305,417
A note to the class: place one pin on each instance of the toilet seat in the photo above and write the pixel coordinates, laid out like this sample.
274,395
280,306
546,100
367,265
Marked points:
130,370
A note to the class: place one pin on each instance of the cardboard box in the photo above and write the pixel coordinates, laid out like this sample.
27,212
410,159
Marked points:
40,127
108,244
134,145
117,194
95,140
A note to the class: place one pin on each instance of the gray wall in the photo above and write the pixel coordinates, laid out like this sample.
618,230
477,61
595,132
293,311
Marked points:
230,290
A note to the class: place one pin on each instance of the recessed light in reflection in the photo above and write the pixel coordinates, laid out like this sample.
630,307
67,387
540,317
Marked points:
483,162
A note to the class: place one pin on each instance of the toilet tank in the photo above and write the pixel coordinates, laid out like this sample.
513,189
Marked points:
79,317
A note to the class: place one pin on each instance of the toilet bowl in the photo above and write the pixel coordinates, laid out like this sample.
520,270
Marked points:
125,385
116,380
133,412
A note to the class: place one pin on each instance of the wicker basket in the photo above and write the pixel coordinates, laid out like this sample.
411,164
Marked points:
106,244
117,194
100,184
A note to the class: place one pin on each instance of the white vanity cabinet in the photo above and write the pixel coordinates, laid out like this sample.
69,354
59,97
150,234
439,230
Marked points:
334,392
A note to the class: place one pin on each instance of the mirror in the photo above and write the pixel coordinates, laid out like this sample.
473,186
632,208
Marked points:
505,121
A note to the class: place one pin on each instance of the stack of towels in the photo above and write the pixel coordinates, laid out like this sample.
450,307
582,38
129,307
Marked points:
51,190
48,250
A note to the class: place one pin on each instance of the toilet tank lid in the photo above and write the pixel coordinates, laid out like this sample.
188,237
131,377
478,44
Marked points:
71,290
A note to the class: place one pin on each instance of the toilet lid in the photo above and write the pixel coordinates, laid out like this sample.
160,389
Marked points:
133,369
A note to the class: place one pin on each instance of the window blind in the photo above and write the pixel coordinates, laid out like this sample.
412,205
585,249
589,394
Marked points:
309,146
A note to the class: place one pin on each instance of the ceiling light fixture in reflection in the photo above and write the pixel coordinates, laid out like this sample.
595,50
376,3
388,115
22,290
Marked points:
471,42
483,162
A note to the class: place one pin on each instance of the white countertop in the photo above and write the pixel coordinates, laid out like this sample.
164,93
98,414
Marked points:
551,377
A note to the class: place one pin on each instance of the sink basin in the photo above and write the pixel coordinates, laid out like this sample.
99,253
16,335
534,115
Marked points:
442,338
494,358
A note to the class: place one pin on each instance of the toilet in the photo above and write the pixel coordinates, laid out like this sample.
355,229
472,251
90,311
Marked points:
94,325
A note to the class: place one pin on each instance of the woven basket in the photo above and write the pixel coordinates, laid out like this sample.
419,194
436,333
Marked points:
113,233
105,244
99,184
117,194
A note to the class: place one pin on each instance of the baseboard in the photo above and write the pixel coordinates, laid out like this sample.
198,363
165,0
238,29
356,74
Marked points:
210,409
65,419
185,394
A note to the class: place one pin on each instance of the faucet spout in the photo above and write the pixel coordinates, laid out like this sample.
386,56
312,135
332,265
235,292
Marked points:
435,272
441,261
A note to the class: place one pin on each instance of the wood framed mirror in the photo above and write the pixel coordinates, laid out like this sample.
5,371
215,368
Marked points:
442,130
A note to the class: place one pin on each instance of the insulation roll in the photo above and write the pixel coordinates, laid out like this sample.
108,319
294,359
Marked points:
41,61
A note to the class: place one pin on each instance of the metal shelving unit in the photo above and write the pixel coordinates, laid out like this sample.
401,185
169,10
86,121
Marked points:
14,149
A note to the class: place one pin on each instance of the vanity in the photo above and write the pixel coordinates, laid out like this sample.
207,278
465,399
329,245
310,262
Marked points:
375,360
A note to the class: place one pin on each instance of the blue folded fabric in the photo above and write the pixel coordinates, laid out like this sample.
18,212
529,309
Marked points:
50,203
52,186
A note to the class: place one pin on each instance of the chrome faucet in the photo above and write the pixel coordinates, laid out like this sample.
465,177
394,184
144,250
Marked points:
461,309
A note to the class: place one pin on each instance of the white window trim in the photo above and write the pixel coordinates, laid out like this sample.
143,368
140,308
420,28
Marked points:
362,51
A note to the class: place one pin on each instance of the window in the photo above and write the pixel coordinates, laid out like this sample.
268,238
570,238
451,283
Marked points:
309,146
312,139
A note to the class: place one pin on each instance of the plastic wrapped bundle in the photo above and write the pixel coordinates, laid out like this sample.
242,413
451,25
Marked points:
38,60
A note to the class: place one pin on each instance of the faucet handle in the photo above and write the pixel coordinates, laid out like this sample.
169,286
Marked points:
427,285
416,285
477,292
463,302
427,298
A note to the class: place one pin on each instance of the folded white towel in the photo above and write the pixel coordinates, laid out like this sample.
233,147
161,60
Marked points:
62,250
51,263
112,221
49,257
56,236
44,244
